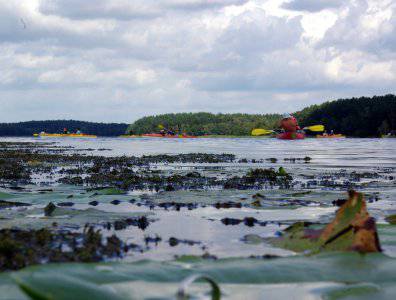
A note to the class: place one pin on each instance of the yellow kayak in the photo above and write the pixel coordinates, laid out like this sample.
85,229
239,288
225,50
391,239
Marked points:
63,135
332,136
130,136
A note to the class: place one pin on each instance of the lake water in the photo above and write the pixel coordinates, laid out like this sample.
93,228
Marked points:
330,152
334,164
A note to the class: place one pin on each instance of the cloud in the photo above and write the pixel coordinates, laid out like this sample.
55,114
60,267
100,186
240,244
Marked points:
312,5
200,4
118,60
100,9
366,26
127,10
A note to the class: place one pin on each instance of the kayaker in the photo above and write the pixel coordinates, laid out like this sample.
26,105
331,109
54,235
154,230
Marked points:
289,123
78,131
65,131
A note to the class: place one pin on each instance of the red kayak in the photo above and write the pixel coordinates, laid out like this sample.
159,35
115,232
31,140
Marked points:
291,136
169,136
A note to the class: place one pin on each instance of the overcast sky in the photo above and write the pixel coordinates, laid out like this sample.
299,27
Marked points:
118,60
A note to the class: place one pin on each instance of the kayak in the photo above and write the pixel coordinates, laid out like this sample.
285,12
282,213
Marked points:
291,136
168,136
332,136
130,136
63,135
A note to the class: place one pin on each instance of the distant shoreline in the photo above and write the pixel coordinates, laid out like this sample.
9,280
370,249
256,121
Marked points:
356,117
26,129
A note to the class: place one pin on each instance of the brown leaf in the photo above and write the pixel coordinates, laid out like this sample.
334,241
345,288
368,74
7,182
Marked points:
353,216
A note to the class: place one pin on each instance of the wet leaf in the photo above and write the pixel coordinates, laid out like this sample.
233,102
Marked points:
352,229
42,286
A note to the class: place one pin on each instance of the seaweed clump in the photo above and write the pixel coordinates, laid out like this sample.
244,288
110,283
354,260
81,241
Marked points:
22,248
13,170
256,178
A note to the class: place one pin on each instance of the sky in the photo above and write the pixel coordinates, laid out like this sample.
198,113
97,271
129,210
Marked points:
119,60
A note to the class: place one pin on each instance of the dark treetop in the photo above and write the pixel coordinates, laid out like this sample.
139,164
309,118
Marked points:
28,128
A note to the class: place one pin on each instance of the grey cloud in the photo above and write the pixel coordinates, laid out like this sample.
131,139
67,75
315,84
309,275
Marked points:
99,9
242,45
312,5
253,53
52,33
200,4
258,33
127,10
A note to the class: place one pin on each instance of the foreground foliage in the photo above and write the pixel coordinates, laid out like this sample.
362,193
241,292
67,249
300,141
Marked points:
351,230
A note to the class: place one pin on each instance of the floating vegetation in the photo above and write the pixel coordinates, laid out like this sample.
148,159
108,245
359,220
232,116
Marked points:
255,178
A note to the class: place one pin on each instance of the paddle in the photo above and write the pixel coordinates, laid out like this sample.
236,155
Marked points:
259,131
316,128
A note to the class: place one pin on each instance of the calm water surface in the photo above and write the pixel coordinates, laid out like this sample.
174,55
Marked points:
355,152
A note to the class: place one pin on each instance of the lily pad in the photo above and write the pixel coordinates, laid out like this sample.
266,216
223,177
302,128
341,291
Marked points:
42,286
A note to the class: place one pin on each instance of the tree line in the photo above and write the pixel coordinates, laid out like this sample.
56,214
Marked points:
356,117
57,126
204,123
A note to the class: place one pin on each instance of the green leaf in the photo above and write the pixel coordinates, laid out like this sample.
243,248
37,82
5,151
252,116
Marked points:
110,191
51,286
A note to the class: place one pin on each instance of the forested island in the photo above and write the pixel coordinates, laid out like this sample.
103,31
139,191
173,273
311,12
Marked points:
57,126
205,123
356,117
